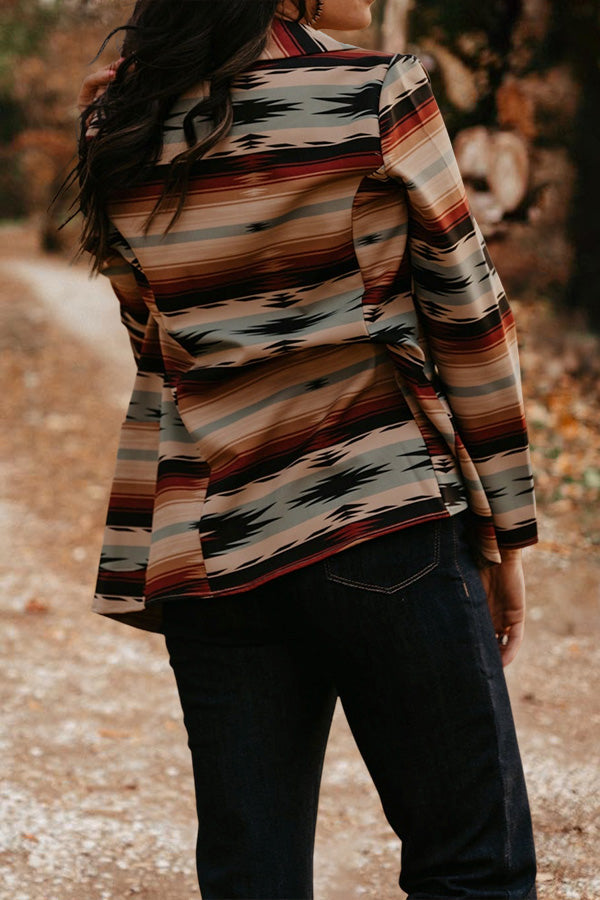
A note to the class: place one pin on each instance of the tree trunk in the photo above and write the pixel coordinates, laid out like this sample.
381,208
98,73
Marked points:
581,24
394,28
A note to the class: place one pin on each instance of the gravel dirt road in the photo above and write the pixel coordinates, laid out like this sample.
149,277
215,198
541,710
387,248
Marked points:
96,798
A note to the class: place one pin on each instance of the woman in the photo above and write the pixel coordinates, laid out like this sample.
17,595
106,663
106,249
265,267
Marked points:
323,483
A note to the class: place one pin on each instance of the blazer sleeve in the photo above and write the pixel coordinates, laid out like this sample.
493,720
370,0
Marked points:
460,301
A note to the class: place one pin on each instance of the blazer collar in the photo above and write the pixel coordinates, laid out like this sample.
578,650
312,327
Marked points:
289,38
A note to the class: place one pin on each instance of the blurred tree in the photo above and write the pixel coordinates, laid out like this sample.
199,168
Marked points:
23,24
392,22
45,48
577,33
470,40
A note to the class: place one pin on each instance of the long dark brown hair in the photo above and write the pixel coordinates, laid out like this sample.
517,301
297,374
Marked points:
169,46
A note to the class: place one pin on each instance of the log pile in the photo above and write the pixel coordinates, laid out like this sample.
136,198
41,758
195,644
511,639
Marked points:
510,112
496,169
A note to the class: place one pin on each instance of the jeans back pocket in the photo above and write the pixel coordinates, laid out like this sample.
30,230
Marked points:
388,564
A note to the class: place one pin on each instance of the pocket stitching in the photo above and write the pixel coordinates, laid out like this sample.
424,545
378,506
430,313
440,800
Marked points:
339,579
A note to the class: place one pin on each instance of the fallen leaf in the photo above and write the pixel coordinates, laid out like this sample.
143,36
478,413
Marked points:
113,733
36,607
129,786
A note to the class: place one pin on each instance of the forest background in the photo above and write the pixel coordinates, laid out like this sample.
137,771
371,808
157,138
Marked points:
87,761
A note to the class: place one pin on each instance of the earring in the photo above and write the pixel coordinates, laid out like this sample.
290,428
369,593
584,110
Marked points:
317,13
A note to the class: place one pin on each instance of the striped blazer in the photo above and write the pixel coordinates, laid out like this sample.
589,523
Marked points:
325,352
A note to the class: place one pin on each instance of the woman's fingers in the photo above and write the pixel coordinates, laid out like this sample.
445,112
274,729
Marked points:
95,84
505,588
509,641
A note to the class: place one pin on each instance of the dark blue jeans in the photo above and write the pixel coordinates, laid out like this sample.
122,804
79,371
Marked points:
398,628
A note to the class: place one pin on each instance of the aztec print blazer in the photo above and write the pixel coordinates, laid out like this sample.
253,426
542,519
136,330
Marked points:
325,352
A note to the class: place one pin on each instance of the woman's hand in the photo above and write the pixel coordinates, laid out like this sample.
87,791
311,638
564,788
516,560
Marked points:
95,84
505,588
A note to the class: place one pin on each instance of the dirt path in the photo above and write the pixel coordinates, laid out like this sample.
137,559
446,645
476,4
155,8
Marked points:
96,793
